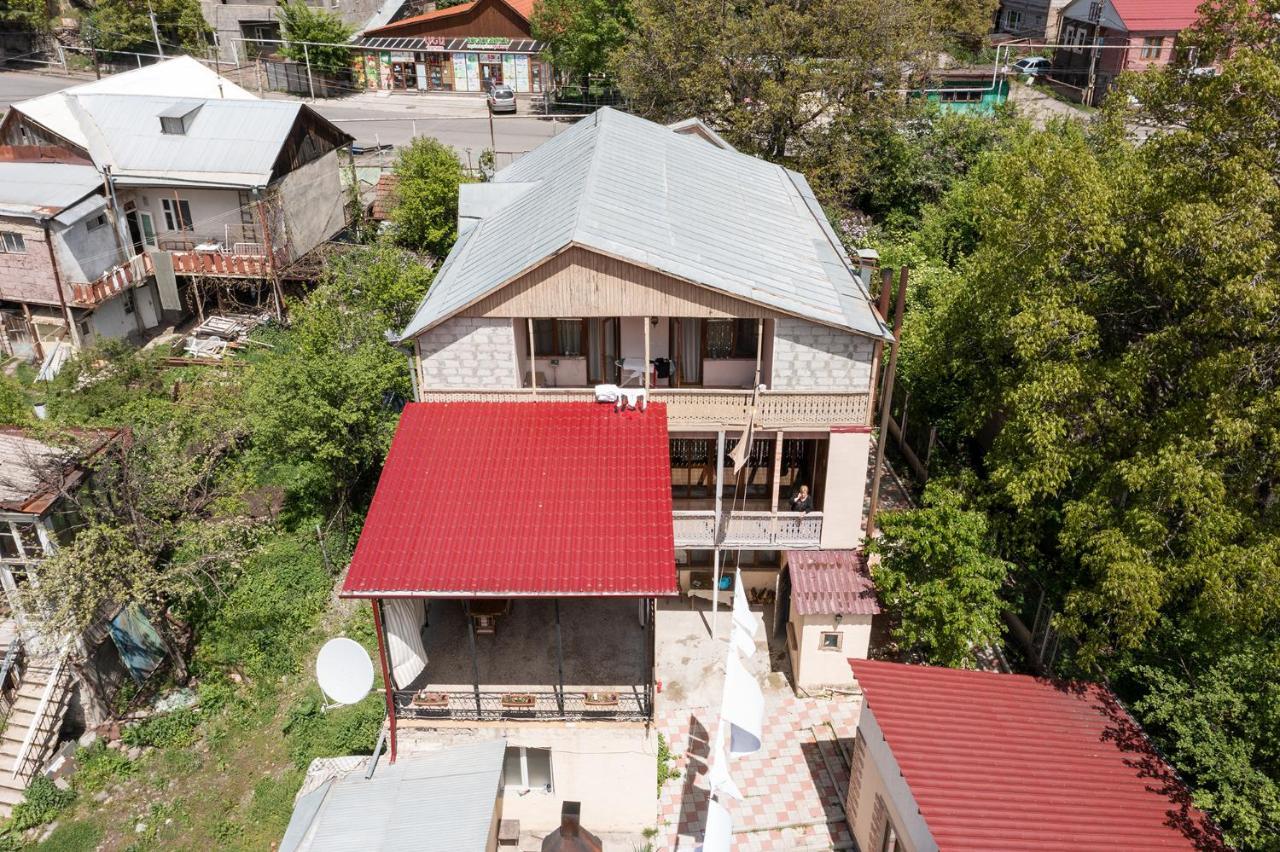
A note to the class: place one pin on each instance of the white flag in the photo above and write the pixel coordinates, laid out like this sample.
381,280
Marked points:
718,836
742,707
718,778
742,616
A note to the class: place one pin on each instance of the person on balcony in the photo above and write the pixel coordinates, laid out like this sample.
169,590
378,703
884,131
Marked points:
802,500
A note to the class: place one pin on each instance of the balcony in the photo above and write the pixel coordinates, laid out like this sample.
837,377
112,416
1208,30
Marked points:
698,408
115,280
697,529
241,260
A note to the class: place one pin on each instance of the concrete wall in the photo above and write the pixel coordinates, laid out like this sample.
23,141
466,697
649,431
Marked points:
225,17
109,320
85,254
214,213
469,352
812,665
808,356
27,276
313,204
878,793
845,488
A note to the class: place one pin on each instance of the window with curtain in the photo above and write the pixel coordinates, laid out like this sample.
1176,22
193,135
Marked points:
558,338
729,338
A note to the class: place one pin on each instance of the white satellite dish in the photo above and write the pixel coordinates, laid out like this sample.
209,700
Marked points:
344,671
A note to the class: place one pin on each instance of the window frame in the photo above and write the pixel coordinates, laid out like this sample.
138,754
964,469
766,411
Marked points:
1151,51
96,223
822,640
12,242
177,215
548,789
555,338
734,339
1012,19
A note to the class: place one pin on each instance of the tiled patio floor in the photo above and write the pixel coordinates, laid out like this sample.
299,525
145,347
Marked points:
792,794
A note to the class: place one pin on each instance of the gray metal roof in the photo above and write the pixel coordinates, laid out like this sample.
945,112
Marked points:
227,142
627,187
41,190
436,802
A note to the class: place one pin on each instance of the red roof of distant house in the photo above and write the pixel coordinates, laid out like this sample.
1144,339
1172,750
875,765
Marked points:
1157,15
1010,762
384,197
537,499
824,582
523,8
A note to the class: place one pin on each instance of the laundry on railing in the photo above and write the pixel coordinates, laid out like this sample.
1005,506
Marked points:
622,397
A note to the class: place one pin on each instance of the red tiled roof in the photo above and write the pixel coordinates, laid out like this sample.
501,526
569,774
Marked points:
1010,762
1157,15
384,197
523,498
524,8
824,582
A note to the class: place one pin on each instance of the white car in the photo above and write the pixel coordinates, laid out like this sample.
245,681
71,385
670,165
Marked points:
1030,66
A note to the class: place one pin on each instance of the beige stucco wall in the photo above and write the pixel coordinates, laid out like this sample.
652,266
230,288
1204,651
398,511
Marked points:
845,489
879,792
814,666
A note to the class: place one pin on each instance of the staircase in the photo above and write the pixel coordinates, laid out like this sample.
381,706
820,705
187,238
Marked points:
44,676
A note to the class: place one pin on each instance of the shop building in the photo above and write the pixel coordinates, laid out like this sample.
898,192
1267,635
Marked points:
464,48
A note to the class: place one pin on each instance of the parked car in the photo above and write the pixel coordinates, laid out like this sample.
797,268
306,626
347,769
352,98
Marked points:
502,99
1029,66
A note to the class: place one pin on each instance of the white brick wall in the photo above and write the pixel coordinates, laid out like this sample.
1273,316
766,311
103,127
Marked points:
469,352
807,356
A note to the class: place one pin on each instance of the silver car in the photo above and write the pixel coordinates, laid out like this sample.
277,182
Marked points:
502,99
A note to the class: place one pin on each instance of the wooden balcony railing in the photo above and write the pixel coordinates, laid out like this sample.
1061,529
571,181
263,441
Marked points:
697,408
115,280
697,529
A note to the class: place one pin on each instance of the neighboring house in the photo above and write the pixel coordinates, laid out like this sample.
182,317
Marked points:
463,48
522,532
39,483
448,800
1034,20
1100,39
954,759
200,177
246,28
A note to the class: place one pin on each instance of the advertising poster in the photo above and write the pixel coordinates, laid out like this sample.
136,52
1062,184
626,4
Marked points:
509,70
473,72
459,72
522,73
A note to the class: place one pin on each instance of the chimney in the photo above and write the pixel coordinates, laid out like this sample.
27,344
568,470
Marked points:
571,836
428,7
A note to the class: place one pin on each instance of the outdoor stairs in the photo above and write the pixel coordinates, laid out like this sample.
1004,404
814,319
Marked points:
35,679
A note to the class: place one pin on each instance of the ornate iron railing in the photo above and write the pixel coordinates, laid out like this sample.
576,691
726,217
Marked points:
617,704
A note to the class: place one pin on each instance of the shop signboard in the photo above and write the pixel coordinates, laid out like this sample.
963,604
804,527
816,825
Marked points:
488,43
433,43
401,56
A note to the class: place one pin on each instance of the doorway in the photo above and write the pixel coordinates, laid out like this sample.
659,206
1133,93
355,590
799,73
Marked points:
490,75
142,230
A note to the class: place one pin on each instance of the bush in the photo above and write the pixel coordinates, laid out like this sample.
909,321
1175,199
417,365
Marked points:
176,729
312,733
44,801
98,767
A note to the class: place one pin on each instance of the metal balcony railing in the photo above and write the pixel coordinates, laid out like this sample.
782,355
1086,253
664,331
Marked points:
618,704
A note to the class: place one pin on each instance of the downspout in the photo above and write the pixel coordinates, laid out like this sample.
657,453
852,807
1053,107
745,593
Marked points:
126,256
57,282
388,688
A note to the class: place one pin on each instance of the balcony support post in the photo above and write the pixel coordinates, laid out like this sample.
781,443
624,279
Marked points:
475,662
759,348
717,534
559,662
646,355
533,361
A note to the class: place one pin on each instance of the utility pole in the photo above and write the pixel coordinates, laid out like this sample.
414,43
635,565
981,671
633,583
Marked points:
155,31
306,55
493,146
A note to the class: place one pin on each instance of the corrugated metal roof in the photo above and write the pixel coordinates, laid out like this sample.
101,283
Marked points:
227,141
1010,762
640,191
181,76
826,582
40,190
514,499
448,45
437,802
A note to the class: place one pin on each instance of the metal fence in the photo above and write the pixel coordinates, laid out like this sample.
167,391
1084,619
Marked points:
634,703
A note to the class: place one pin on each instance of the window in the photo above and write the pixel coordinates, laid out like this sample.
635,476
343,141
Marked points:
127,301
12,243
729,338
19,540
177,214
1152,46
527,768
889,841
831,640
562,338
96,222
1012,19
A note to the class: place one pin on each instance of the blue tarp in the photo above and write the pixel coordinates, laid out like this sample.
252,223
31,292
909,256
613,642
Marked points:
139,644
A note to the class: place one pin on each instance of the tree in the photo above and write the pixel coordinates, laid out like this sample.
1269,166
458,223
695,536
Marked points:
302,23
26,15
582,35
425,215
938,576
125,25
15,408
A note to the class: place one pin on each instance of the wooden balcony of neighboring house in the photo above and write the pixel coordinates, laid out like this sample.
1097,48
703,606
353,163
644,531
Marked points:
696,528
224,260
698,408
114,281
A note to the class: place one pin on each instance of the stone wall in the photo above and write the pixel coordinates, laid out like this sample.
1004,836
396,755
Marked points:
808,356
469,352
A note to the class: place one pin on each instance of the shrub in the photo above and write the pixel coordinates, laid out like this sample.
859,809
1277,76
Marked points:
665,760
176,729
312,733
97,767
44,801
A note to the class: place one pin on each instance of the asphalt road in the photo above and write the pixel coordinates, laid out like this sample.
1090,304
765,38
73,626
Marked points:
457,120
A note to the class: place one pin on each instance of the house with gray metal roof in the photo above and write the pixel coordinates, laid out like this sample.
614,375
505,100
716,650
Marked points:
200,178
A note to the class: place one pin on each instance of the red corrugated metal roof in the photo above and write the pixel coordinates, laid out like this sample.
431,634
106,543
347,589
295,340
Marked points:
523,8
1156,15
1010,762
523,498
824,582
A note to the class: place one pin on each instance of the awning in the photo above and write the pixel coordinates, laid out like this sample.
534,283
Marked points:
826,582
534,499
439,44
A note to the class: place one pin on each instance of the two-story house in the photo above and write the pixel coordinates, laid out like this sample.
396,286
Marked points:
523,532
200,179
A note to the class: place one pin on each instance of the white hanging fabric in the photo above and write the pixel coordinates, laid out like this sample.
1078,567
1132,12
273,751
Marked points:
742,707
405,653
718,778
745,626
718,836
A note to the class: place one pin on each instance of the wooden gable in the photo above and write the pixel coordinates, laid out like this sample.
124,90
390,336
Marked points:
484,18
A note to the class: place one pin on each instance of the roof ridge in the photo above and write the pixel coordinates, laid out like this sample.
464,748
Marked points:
583,192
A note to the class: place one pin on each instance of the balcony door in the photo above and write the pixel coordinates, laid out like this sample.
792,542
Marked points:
686,351
603,351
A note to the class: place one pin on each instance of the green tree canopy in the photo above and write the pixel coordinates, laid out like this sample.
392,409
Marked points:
302,23
582,35
124,25
425,216
26,15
